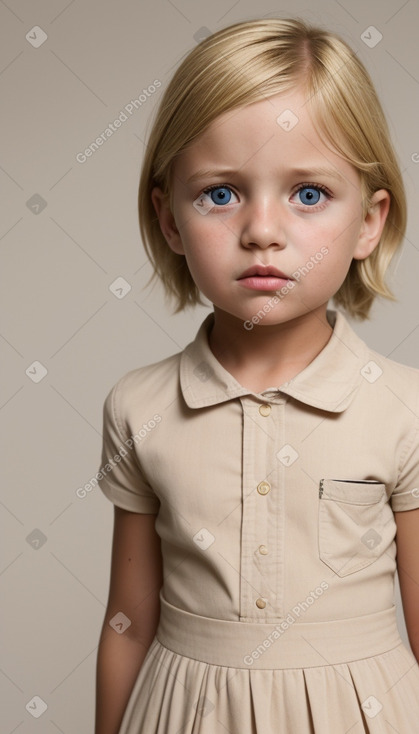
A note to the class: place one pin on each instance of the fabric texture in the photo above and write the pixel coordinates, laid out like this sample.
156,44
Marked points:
276,511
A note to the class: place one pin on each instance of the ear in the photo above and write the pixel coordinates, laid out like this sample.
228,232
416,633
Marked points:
166,220
373,224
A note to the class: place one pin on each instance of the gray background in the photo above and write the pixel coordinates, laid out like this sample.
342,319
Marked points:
58,263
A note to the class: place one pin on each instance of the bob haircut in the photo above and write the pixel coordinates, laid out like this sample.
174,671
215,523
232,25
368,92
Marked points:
250,61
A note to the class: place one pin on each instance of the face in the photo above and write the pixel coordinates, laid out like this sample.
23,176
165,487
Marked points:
260,188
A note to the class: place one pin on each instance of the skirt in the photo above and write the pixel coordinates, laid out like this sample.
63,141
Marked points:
212,676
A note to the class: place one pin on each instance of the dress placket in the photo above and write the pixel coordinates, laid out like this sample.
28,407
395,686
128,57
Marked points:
262,539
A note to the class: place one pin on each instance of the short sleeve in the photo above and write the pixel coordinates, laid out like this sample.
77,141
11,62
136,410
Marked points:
120,476
405,495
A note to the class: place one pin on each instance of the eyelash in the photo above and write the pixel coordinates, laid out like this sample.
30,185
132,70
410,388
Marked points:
320,187
301,186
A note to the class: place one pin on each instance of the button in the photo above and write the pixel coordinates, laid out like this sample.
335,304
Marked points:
264,409
263,550
264,487
261,603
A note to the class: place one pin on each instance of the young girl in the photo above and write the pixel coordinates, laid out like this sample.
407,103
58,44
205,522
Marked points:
259,476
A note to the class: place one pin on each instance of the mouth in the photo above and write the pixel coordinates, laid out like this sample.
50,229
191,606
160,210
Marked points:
264,271
264,277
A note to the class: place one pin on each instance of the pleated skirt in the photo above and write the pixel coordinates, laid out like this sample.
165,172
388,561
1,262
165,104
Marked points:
212,676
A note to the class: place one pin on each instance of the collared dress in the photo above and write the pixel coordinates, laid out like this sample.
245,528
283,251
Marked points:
276,518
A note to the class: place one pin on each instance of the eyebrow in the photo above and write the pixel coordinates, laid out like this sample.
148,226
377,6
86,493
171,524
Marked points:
300,172
209,173
318,171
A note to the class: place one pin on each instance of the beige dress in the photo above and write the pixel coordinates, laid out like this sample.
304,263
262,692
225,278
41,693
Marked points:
275,513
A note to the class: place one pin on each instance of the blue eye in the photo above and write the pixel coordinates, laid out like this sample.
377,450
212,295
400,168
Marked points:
219,194
309,195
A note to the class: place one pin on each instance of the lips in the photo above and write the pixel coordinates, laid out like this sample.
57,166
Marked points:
264,270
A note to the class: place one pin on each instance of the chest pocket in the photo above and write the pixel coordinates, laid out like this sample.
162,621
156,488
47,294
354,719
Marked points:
351,523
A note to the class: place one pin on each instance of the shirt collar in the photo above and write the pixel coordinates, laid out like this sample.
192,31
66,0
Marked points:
329,382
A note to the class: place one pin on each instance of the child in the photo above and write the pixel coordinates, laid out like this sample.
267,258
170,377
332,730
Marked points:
259,476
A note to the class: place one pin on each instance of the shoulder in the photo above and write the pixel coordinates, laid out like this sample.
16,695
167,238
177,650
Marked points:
399,374
394,381
372,364
144,386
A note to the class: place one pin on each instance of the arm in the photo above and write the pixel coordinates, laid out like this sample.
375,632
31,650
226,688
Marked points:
135,581
407,540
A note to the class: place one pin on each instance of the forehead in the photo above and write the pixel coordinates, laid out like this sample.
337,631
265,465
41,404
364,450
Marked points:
270,135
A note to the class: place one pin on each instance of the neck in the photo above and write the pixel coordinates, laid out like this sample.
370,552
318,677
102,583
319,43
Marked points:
268,355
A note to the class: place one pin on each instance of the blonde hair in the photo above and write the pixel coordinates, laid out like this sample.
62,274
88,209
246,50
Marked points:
250,61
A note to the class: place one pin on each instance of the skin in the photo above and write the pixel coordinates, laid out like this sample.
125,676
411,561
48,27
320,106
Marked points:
267,221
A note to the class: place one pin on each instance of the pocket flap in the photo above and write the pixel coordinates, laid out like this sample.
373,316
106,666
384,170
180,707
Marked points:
352,491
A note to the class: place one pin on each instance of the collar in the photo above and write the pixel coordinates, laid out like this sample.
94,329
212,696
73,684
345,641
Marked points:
329,382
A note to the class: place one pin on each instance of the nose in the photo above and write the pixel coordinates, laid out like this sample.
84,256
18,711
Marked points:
263,224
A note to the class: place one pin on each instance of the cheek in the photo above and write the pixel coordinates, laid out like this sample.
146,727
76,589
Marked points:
345,225
338,233
331,272
200,251
205,237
